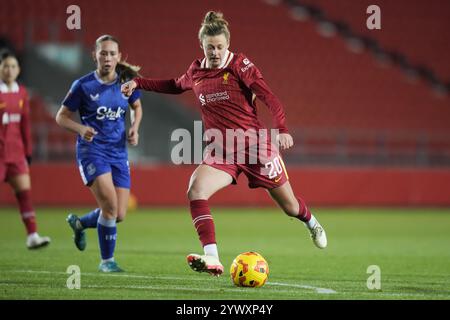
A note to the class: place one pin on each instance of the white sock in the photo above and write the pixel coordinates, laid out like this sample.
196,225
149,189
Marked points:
33,235
108,260
312,222
211,250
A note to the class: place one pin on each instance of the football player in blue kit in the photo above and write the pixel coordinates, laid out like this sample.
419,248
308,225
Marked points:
102,155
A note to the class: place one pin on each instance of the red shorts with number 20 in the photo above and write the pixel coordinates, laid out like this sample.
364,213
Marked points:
269,173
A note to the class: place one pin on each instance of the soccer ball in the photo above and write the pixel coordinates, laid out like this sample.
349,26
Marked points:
249,269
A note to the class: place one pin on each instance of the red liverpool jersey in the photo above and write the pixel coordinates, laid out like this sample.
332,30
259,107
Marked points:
224,94
15,140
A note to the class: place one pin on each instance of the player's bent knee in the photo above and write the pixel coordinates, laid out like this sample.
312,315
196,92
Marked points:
195,193
109,211
109,216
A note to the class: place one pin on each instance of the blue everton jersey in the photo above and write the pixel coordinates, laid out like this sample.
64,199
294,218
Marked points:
103,107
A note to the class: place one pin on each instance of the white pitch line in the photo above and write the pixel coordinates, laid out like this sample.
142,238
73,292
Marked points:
140,287
143,287
372,295
136,276
317,289
153,287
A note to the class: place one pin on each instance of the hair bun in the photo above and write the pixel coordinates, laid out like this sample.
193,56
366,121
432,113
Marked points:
214,17
214,24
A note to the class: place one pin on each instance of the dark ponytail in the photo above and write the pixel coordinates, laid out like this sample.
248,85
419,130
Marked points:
127,71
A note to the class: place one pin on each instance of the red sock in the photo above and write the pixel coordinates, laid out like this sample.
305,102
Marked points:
304,214
203,221
26,210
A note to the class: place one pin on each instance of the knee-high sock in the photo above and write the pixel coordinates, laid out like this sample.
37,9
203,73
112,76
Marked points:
203,221
304,214
107,233
90,219
27,211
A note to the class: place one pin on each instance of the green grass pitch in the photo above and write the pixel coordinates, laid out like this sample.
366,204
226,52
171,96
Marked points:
410,246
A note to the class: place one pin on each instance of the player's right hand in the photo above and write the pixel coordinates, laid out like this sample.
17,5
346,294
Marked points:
88,133
285,141
128,87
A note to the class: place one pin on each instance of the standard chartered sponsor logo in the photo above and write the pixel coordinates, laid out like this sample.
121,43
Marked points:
213,97
201,97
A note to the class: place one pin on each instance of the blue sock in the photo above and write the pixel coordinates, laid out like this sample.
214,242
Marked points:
107,232
90,219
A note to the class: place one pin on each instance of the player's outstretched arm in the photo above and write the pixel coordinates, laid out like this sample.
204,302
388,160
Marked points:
64,119
263,92
172,86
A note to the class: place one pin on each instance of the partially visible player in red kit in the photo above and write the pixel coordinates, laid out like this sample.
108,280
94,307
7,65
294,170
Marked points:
15,145
225,84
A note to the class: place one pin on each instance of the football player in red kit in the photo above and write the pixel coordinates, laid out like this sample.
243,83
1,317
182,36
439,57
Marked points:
226,84
15,145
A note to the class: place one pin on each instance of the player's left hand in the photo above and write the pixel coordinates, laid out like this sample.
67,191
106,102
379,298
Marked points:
133,136
285,141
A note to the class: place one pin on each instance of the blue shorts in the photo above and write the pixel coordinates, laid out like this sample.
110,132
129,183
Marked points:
91,168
